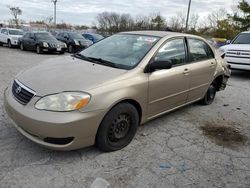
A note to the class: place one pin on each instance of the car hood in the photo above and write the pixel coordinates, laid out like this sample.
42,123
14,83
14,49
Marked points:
84,41
51,41
67,74
236,47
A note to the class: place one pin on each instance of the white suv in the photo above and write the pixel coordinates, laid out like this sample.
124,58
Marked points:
237,53
10,36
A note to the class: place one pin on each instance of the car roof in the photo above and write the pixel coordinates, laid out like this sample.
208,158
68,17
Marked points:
12,29
160,34
246,32
35,32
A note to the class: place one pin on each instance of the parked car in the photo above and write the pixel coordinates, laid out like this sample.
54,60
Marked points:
101,95
10,36
41,42
218,42
93,37
237,53
75,42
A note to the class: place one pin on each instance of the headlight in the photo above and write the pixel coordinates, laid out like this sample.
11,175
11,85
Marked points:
45,44
63,102
77,42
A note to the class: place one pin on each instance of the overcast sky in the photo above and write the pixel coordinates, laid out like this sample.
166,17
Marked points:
85,11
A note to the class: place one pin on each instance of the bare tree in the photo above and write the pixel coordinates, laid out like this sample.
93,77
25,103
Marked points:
177,22
215,17
15,11
193,22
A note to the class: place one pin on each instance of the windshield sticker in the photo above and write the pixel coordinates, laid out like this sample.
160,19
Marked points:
147,39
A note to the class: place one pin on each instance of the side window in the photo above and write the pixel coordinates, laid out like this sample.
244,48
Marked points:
199,50
4,31
173,51
26,35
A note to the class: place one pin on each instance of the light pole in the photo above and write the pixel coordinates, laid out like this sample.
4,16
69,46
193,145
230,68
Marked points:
189,5
54,1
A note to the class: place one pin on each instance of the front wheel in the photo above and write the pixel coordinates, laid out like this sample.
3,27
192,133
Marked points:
38,49
210,95
118,128
70,49
9,44
21,46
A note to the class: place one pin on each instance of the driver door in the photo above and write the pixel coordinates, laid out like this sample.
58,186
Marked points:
169,89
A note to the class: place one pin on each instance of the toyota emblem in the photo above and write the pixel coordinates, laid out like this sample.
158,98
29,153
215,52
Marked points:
18,90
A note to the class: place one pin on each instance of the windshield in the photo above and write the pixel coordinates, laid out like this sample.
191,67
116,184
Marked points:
98,37
123,50
15,32
76,36
45,36
243,38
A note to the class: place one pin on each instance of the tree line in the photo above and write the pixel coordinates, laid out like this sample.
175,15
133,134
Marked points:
219,23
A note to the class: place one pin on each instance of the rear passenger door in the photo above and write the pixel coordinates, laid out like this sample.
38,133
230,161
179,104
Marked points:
202,66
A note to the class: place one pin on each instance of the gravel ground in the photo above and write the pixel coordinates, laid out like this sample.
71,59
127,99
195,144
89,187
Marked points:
196,146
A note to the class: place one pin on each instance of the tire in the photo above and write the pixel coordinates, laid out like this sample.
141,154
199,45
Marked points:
70,49
210,95
9,44
118,128
1,43
22,47
38,49
62,52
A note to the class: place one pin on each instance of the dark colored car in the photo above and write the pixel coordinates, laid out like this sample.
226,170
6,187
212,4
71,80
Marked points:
93,37
75,42
41,42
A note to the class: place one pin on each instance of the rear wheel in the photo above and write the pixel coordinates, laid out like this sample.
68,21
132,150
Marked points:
118,128
210,95
9,44
38,49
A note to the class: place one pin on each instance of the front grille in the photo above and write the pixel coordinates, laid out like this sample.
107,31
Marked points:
22,93
238,53
56,45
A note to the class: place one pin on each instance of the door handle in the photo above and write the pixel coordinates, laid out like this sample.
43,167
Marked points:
186,71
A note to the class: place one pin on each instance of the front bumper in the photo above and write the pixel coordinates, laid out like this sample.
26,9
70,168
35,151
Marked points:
238,63
14,42
43,126
52,49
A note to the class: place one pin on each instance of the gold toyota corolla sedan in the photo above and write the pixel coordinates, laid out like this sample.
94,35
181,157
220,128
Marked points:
101,94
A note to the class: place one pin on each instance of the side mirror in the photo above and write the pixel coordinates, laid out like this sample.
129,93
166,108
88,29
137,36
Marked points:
229,41
33,38
67,38
158,65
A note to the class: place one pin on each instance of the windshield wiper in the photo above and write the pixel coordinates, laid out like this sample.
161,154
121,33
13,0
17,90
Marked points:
78,55
104,62
97,60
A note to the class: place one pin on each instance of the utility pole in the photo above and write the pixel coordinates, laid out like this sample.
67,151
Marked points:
188,12
54,1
